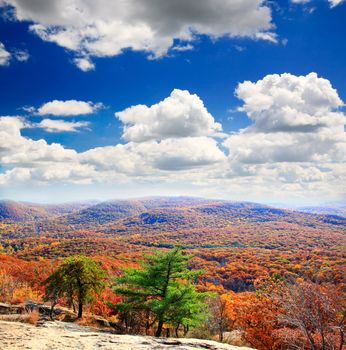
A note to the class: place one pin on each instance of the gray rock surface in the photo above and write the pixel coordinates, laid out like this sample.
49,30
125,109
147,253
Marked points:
61,335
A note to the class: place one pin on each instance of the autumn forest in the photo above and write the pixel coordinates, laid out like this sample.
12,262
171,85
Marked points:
267,274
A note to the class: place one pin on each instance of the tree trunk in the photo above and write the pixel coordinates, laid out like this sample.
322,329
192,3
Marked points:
221,335
147,323
80,310
177,330
51,313
159,329
310,339
342,334
72,304
342,340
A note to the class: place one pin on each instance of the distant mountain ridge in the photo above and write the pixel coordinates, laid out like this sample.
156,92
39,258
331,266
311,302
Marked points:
13,211
339,210
174,212
120,209
218,232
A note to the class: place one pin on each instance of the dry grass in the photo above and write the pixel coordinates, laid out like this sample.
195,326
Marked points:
30,317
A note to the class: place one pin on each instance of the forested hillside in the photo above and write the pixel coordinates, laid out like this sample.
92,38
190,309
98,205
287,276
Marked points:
238,245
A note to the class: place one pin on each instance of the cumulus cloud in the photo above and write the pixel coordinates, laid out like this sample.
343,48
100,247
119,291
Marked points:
295,119
119,158
16,150
260,148
163,151
297,154
53,173
186,47
84,64
21,55
5,56
106,28
68,108
180,115
14,54
51,125
332,3
185,153
300,1
148,157
28,161
289,103
37,161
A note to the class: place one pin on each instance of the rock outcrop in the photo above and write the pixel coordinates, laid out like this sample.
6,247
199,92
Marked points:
62,335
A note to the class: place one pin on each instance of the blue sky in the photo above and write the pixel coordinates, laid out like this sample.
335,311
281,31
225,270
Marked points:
39,67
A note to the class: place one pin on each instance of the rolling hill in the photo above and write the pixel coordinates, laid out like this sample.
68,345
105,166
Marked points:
164,221
235,242
11,211
336,210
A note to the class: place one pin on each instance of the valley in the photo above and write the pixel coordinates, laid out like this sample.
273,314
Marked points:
235,242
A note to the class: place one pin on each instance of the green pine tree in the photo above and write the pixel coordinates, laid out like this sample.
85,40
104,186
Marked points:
78,279
164,287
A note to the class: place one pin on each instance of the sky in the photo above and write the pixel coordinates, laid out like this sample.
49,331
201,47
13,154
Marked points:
232,99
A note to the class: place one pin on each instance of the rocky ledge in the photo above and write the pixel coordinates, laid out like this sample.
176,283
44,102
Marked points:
62,335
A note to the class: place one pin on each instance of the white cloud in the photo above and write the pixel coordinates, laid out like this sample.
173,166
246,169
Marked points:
119,158
297,154
14,176
5,56
68,108
21,55
64,172
186,47
334,3
29,109
260,148
151,157
19,151
268,36
185,153
180,115
51,125
300,1
102,28
290,103
36,162
49,173
296,146
84,64
294,120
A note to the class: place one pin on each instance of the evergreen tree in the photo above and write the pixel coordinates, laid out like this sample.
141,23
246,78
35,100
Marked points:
78,279
163,287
